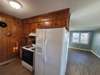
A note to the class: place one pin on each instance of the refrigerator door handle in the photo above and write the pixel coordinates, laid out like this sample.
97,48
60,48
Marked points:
45,53
38,50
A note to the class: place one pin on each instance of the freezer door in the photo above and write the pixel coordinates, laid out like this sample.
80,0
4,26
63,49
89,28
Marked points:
39,65
39,53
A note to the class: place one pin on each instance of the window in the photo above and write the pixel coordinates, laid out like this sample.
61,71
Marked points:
81,38
75,38
84,39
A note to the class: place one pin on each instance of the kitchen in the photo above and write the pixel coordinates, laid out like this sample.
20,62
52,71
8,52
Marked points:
42,32
38,42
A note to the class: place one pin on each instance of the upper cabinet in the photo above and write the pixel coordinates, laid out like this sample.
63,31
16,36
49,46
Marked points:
55,19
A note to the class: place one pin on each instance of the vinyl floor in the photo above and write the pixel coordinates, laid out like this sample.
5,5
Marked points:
82,63
14,68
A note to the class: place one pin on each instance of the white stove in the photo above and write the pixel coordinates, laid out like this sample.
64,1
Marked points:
27,57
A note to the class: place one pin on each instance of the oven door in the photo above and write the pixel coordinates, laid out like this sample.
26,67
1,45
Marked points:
27,56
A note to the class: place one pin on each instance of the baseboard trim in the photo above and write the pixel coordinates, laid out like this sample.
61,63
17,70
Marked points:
6,62
95,53
88,50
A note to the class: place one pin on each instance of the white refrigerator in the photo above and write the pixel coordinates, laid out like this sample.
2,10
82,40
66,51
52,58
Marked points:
51,51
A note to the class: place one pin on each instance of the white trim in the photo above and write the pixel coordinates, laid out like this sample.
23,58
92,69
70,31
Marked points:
27,66
81,49
95,53
8,61
29,49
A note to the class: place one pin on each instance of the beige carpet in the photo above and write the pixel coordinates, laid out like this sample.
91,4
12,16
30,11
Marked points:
14,68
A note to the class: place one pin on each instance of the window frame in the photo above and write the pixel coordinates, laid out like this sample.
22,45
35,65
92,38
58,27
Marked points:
73,37
87,38
80,35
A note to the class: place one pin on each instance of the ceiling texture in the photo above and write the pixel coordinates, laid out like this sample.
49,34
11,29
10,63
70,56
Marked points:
85,14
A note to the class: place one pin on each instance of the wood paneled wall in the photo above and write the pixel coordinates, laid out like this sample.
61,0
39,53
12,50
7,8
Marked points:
10,37
50,20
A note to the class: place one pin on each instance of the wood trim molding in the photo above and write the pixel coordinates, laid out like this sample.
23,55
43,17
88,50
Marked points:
8,61
80,49
95,53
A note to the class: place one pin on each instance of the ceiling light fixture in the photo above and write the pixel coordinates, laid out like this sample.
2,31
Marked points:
15,4
47,23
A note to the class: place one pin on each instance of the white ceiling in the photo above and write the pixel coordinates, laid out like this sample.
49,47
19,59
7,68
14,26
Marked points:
85,14
33,7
